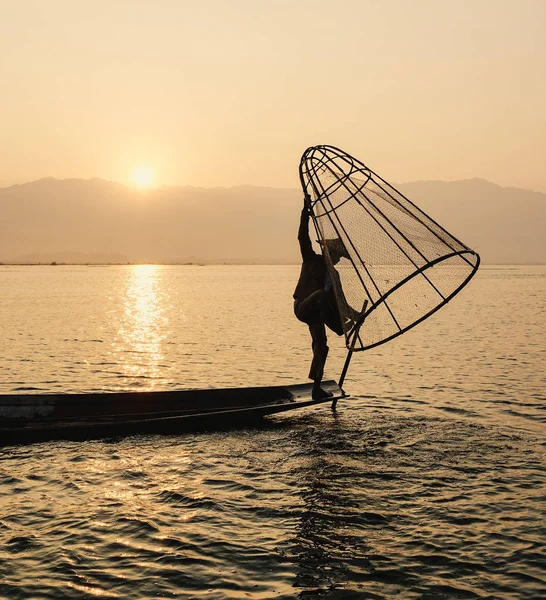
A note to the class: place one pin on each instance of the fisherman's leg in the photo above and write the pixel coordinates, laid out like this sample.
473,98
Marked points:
324,303
330,313
309,309
320,353
319,306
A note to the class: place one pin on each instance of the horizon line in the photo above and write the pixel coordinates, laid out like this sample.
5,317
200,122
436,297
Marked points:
234,263
153,188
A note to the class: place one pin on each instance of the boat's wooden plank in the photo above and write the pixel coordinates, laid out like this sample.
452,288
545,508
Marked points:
71,405
28,406
96,425
186,395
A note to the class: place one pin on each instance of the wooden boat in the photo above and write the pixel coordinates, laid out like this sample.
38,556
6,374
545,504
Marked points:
37,417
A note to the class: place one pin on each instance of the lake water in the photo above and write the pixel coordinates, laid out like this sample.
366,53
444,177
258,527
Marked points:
429,482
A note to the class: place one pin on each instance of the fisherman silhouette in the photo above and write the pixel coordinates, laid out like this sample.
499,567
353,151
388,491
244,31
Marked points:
314,299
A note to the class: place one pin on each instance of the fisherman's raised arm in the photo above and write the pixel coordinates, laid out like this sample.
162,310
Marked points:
303,235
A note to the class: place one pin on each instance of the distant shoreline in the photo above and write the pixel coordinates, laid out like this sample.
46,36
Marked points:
133,264
209,264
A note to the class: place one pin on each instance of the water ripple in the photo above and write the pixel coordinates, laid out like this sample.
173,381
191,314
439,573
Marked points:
429,483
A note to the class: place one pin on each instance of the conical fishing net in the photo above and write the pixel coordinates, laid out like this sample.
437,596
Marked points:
397,265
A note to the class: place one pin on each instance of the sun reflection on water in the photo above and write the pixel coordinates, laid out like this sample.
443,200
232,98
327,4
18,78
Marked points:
143,327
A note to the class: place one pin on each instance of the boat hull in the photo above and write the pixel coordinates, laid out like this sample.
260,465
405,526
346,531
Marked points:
28,418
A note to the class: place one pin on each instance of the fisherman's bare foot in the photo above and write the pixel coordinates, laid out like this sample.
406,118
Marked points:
320,394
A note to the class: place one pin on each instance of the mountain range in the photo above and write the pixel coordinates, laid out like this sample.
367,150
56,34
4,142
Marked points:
98,221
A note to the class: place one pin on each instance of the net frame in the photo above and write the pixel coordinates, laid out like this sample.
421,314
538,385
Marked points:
320,165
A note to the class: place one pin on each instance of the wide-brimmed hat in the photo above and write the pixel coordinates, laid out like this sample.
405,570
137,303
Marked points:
335,246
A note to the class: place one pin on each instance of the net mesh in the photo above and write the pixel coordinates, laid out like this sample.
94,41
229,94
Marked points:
399,267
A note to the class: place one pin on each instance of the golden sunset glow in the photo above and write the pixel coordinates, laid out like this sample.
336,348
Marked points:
143,326
143,176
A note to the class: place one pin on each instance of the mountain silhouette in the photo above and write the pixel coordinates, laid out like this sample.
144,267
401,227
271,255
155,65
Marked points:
94,221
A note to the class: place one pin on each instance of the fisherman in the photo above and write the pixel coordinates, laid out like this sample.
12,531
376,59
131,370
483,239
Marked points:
314,300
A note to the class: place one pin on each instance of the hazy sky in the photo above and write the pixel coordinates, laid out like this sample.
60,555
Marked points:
229,92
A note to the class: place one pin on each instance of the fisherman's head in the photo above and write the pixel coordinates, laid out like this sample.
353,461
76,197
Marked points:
335,248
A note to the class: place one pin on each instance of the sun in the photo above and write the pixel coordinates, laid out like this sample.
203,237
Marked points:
143,176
